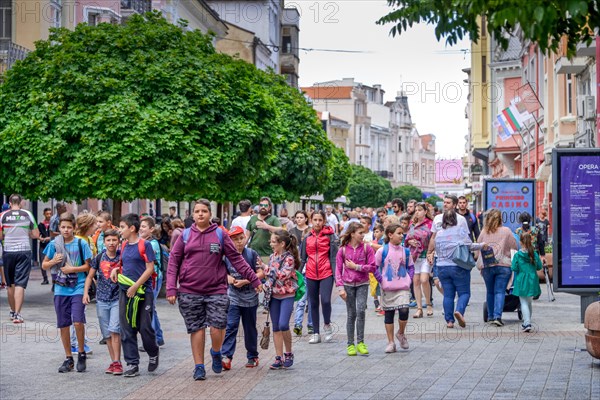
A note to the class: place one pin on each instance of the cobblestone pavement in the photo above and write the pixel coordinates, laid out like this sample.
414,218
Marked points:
478,362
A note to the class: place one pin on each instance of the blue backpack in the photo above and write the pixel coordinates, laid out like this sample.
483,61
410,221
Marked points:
187,231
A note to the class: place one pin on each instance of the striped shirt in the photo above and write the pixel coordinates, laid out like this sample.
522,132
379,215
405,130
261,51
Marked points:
16,225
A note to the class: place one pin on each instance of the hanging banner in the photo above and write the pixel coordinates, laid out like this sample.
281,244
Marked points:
576,216
512,197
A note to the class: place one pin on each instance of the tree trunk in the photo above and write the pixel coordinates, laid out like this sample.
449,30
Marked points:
116,211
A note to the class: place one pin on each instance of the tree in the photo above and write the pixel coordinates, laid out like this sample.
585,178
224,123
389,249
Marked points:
408,192
340,172
367,189
433,200
542,21
151,110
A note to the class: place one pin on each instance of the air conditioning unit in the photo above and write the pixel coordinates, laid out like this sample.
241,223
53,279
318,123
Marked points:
581,106
589,112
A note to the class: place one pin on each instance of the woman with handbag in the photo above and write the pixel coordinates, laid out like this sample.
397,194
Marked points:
455,279
496,274
396,273
283,283
355,260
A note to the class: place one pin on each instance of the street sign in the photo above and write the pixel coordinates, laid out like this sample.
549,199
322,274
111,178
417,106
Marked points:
576,217
512,197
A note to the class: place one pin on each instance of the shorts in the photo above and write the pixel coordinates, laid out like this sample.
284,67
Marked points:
422,266
199,311
17,266
69,309
108,316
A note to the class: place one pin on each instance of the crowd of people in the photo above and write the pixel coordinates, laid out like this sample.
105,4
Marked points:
394,255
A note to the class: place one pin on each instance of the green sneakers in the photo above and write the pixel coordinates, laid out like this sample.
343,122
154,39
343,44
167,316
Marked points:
362,349
351,350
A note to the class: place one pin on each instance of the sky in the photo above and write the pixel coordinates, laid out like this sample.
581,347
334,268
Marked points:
429,71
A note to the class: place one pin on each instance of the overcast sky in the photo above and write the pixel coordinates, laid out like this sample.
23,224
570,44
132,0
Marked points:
430,71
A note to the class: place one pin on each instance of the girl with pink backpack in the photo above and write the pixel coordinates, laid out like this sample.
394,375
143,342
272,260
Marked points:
397,271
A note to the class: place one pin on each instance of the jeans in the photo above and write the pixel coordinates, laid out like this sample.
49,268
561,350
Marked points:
155,321
321,288
281,311
496,279
526,309
299,317
108,317
248,317
454,280
356,304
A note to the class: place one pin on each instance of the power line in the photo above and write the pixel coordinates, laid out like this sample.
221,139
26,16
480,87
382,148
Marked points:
276,48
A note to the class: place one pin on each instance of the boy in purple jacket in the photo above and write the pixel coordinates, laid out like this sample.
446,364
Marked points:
197,280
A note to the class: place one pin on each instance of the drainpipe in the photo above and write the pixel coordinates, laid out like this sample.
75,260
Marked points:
597,90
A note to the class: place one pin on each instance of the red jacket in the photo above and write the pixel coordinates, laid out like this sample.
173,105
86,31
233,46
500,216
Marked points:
318,253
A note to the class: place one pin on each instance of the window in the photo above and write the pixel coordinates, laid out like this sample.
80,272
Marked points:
287,45
484,69
569,94
93,19
400,172
399,143
56,13
360,134
5,19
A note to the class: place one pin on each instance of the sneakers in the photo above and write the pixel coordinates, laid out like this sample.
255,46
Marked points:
278,364
497,321
226,363
403,341
86,348
362,349
153,363
67,365
527,328
351,350
316,338
115,368
310,329
217,361
110,369
412,304
199,373
45,282
390,348
18,319
461,320
298,330
328,333
252,363
380,313
12,315
376,304
288,360
131,371
102,341
81,362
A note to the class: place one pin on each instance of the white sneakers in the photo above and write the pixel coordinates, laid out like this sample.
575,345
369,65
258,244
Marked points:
328,333
315,338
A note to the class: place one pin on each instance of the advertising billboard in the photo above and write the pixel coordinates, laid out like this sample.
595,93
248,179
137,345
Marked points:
512,197
576,216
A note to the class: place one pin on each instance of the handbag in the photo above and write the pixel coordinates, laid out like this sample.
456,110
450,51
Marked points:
463,257
266,334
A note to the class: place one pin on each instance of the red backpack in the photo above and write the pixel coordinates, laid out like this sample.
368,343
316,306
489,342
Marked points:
142,249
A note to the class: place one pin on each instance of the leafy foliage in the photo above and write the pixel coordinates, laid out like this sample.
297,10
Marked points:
542,21
407,192
367,189
339,174
433,200
149,110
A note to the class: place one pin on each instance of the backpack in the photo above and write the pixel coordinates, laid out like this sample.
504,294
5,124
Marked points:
402,279
164,258
186,236
142,250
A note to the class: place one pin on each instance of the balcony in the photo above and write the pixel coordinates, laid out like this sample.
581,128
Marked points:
583,50
9,54
565,66
129,7
385,174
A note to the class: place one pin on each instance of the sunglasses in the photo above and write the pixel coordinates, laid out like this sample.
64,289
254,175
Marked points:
263,205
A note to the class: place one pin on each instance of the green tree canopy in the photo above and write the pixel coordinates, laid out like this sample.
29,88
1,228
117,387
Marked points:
408,192
367,189
433,200
542,21
151,110
339,173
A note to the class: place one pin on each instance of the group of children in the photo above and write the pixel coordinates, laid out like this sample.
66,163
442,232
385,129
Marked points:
123,271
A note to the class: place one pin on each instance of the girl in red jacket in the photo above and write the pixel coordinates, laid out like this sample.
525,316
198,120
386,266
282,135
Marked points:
318,253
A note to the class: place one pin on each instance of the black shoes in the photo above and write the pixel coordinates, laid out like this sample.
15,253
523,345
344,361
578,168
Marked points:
81,362
67,365
131,371
153,364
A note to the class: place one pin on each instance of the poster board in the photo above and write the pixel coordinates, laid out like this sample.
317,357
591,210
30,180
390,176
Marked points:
512,197
576,220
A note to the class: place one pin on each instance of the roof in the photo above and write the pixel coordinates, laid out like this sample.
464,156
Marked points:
328,92
426,140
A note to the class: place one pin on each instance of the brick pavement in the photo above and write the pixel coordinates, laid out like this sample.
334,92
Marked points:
479,362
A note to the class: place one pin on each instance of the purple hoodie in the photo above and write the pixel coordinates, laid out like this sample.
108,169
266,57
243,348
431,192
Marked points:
200,271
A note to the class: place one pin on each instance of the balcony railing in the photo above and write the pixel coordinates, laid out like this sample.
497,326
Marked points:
9,54
139,6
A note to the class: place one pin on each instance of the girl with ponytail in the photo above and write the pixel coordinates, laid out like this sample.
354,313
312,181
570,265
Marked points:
527,285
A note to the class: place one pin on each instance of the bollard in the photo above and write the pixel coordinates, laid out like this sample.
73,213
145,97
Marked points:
592,324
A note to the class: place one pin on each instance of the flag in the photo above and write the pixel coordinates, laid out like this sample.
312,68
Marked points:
527,99
503,132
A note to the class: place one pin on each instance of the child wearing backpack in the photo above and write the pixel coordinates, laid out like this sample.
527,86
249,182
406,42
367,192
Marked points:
136,302
355,260
397,270
147,226
527,285
243,303
68,258
107,298
375,291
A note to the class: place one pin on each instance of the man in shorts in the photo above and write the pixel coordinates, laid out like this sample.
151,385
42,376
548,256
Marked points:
17,227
